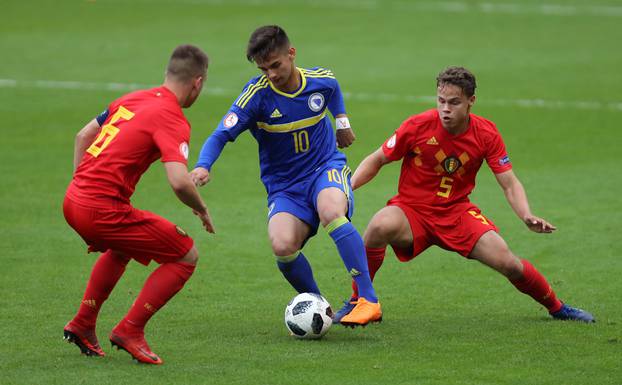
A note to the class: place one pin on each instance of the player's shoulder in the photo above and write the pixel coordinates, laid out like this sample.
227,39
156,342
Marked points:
252,88
484,126
317,73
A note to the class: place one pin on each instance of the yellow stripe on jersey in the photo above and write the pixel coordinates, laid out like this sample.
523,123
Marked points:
345,172
321,76
318,71
291,126
251,91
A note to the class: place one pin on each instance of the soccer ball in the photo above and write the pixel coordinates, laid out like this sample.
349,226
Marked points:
308,316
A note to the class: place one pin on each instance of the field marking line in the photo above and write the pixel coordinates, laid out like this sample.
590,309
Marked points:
516,8
359,96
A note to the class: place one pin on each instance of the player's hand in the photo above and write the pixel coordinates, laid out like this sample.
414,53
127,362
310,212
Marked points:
199,176
206,219
345,137
538,225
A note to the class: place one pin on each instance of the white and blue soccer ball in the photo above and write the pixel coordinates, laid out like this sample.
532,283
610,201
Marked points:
308,316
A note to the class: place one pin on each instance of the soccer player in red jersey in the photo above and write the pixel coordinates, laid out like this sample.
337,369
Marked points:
442,151
111,153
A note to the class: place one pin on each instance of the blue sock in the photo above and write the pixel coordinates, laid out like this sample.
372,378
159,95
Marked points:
298,273
352,251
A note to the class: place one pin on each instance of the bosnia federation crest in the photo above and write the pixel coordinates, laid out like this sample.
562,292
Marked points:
316,101
451,164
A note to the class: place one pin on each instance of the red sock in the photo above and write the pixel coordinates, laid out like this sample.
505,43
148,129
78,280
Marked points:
535,285
161,286
106,272
375,257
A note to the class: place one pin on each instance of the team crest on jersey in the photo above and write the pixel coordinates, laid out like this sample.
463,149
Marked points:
183,149
391,141
230,120
451,164
316,102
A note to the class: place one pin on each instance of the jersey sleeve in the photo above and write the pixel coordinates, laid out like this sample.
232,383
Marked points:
172,137
335,104
496,154
400,143
240,117
101,118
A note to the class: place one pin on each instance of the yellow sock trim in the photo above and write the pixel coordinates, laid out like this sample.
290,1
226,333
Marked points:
335,224
287,258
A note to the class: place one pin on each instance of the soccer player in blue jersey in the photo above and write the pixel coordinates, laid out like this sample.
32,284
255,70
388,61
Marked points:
306,177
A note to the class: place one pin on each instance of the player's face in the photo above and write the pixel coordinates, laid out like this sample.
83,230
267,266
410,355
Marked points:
279,67
453,107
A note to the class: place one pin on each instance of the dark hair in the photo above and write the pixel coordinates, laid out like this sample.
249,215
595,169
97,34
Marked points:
264,41
187,62
458,76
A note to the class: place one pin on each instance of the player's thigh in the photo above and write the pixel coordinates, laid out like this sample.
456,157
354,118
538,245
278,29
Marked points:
145,236
390,225
492,250
331,193
331,204
287,233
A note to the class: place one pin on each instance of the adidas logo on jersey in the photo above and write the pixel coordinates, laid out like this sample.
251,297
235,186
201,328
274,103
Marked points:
276,113
432,141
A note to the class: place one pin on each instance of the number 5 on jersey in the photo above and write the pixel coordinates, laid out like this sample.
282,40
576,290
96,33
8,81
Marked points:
109,131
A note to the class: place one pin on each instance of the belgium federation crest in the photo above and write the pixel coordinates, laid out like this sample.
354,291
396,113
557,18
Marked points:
451,164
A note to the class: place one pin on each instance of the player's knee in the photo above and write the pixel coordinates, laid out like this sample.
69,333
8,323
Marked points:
380,229
327,215
192,257
282,247
510,266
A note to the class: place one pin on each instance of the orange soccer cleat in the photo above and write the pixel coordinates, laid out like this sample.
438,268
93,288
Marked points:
84,338
363,313
135,345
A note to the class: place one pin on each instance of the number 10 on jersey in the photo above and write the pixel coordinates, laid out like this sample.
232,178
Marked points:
301,141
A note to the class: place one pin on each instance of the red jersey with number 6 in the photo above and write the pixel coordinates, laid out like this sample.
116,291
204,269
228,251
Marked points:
438,168
140,128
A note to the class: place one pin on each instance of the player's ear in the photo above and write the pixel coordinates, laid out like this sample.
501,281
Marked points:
471,101
291,52
198,82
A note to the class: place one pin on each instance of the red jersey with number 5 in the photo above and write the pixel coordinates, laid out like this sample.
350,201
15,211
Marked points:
140,128
438,168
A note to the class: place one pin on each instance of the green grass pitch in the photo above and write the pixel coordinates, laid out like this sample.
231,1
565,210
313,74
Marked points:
549,76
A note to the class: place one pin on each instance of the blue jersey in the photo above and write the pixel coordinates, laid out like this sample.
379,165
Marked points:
294,132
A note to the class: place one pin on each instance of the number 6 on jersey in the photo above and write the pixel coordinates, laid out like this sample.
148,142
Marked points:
109,131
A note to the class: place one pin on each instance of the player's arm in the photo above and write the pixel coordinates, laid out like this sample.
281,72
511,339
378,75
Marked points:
186,191
344,133
84,138
211,150
517,198
230,127
369,168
